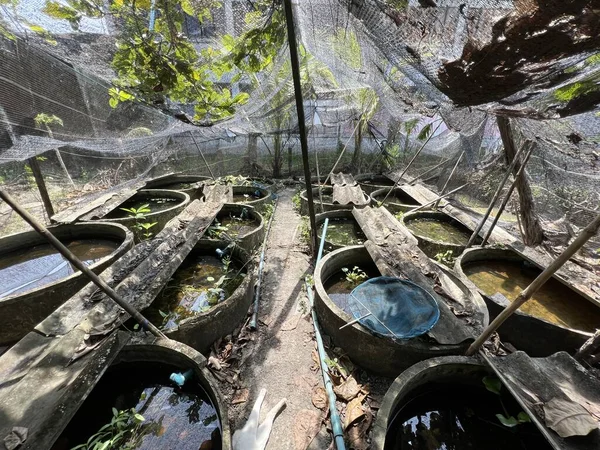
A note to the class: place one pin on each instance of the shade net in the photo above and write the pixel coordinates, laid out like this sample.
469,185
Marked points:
118,97
394,308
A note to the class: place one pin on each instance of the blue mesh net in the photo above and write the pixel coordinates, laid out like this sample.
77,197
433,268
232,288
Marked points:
394,308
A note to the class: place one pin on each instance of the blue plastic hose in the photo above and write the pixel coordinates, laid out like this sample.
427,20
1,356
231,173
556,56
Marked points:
336,423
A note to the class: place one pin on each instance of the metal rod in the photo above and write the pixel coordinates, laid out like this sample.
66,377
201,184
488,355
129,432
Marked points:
508,195
411,161
336,423
41,185
495,198
261,266
418,208
435,206
202,154
428,171
319,180
43,231
352,322
291,34
536,284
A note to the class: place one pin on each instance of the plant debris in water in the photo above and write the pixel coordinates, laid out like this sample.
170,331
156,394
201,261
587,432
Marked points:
155,204
462,417
200,283
553,302
343,232
340,284
23,270
136,406
438,230
232,226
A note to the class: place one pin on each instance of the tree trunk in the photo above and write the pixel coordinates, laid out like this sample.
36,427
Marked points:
533,232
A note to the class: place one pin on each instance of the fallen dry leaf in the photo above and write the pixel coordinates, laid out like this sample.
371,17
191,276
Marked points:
307,424
354,411
319,398
348,389
568,418
356,434
240,396
214,363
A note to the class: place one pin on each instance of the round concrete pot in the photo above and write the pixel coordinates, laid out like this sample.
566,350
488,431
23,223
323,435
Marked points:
343,214
178,182
371,182
160,217
430,245
173,357
398,200
416,379
203,329
251,239
258,203
327,205
21,312
531,334
379,355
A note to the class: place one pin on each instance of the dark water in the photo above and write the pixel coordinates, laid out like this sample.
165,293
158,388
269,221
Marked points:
188,293
235,225
343,232
378,181
398,197
175,418
31,268
155,204
554,302
441,231
457,417
338,287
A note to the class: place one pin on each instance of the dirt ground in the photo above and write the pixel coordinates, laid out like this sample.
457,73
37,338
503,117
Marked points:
280,355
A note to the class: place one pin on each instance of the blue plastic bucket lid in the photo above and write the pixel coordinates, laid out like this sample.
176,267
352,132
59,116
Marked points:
400,309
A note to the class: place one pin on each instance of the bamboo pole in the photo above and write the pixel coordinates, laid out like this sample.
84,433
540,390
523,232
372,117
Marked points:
536,284
411,161
495,198
202,155
588,350
41,185
428,171
418,208
43,231
509,193
319,181
291,34
435,206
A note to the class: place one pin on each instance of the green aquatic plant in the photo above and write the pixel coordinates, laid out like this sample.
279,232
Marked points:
355,276
141,226
447,258
124,432
494,385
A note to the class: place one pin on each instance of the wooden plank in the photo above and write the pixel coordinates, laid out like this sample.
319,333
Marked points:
74,310
147,280
396,253
111,204
214,193
45,399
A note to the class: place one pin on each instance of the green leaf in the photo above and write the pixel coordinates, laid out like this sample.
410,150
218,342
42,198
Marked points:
113,102
507,421
115,412
523,417
138,417
492,384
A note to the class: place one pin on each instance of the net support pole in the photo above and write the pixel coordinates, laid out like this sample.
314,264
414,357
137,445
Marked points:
437,199
85,270
427,172
536,284
295,63
412,161
495,197
202,155
41,185
436,204
509,193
